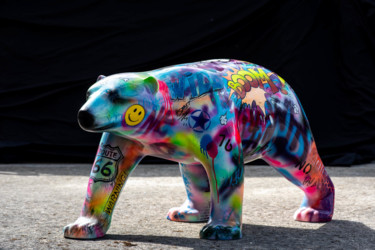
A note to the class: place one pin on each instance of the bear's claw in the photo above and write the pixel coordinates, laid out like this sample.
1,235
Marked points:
187,215
85,228
308,214
220,232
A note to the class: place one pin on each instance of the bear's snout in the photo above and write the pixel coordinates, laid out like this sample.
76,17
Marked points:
86,119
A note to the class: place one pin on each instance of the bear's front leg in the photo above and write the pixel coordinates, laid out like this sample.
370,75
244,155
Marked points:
226,175
115,159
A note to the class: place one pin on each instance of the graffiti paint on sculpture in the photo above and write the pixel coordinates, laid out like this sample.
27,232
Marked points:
211,117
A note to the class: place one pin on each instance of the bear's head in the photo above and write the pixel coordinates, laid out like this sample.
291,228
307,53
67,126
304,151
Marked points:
118,103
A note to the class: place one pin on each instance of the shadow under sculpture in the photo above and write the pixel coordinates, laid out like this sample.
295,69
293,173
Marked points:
211,117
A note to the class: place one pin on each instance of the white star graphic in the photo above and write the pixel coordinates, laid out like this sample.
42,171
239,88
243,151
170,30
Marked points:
223,119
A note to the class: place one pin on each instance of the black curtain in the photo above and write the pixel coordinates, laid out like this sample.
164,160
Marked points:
52,51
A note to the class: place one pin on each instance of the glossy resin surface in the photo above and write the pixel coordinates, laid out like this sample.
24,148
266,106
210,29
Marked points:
211,117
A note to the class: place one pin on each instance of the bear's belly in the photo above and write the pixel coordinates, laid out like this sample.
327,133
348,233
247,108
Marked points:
171,152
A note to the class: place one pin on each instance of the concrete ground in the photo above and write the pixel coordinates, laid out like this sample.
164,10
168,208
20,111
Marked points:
37,201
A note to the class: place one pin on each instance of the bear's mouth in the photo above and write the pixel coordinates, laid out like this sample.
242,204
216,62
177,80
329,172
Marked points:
104,127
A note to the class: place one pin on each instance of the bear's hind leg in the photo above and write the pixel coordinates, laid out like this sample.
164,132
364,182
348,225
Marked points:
310,175
196,208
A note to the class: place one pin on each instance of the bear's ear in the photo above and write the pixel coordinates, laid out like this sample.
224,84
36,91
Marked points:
100,78
152,84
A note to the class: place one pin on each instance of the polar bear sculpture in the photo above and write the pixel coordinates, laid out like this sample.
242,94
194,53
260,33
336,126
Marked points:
211,117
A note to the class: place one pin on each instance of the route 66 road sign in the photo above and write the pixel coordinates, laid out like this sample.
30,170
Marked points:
106,164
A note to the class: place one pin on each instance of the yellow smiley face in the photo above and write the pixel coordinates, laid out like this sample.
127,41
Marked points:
134,115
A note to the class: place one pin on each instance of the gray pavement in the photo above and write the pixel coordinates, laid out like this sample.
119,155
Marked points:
37,201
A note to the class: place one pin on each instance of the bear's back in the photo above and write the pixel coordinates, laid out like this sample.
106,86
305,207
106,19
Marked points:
191,80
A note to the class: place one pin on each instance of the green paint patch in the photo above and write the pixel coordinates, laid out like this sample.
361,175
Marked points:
236,202
190,143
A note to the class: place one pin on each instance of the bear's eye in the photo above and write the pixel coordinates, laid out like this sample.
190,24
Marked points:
88,95
114,97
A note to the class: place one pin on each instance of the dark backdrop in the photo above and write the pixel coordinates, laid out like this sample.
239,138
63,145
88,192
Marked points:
52,51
